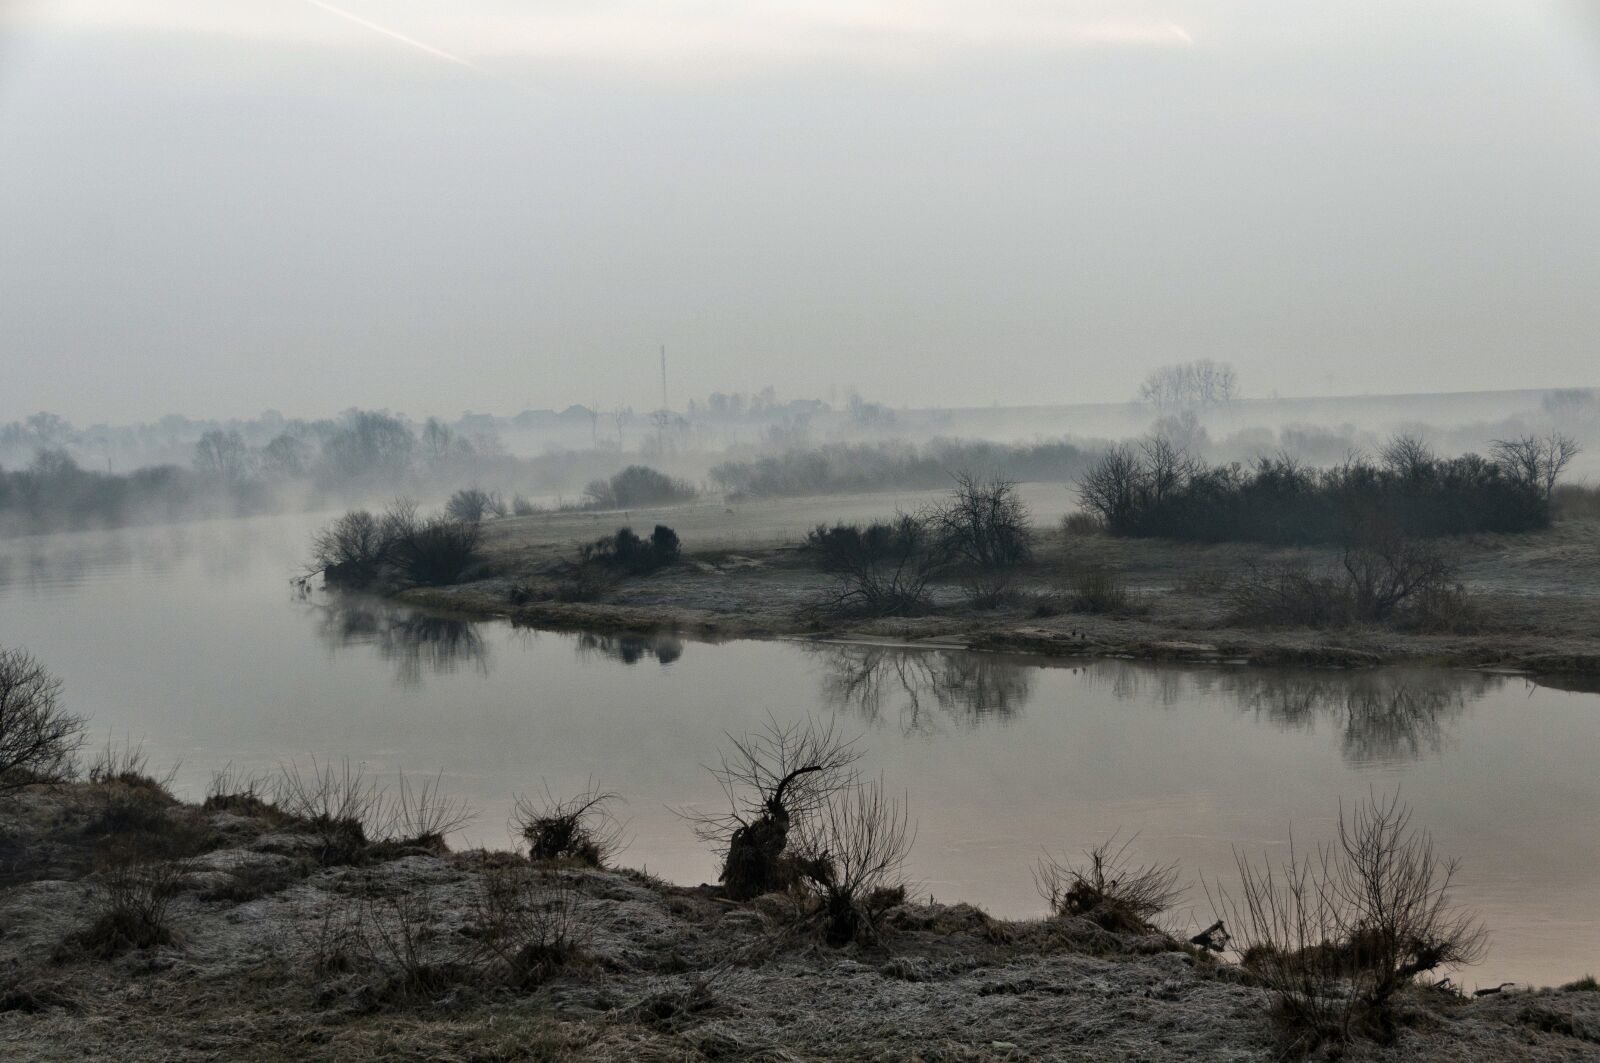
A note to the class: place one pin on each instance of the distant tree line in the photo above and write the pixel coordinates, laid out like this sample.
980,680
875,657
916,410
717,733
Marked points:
1156,489
843,468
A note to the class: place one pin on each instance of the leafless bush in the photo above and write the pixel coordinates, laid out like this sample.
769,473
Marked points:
396,934
338,803
984,524
1113,490
883,573
1383,569
1107,888
773,779
1577,502
127,763
474,504
437,551
424,816
1381,578
1536,462
243,795
1077,524
581,828
38,738
851,856
527,928
1098,590
1338,935
350,548
133,895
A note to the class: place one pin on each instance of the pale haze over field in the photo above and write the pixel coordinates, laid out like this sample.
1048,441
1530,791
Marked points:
217,206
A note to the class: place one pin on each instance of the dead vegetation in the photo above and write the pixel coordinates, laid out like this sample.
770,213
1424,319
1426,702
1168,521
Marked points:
773,778
581,829
1105,887
38,738
1338,935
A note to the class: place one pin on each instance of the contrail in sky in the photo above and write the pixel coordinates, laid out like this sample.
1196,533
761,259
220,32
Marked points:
438,53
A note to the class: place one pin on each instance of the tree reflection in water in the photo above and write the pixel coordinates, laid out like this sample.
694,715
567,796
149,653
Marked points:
417,643
968,688
630,649
1383,715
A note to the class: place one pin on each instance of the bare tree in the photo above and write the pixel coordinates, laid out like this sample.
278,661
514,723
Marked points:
773,778
1190,384
1114,488
38,739
1406,455
1534,461
223,454
985,523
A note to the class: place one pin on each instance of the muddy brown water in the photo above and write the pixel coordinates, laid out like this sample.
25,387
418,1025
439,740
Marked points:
191,639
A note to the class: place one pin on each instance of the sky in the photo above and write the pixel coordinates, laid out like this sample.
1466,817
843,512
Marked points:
214,207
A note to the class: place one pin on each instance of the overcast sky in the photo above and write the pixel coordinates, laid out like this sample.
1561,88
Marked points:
217,206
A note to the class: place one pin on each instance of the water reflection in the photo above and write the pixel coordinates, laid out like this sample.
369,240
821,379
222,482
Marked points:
1382,716
630,649
919,688
418,644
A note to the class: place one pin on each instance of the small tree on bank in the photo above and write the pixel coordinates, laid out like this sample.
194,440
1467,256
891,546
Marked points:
38,739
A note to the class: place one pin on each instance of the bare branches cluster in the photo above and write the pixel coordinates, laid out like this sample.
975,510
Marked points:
1337,934
38,738
1106,887
581,828
1187,385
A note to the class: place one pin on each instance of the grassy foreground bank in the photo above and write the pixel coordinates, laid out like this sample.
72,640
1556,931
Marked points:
272,946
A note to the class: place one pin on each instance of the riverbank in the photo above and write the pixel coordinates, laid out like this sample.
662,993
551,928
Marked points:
1535,597
274,951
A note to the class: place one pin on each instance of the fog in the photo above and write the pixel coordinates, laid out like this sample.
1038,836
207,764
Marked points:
214,209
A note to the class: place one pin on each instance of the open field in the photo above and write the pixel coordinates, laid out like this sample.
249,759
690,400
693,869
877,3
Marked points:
1536,595
274,953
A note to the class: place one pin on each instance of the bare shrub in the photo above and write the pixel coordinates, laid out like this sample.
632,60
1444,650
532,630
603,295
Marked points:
1338,935
133,895
851,856
1382,578
1078,524
1534,461
625,551
581,829
396,934
243,795
437,551
637,485
350,549
521,506
38,738
473,504
1384,569
1112,491
423,816
338,803
883,570
1098,590
1577,502
527,928
773,779
984,524
1107,888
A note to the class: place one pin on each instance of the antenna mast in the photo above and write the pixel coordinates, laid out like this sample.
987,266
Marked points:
664,376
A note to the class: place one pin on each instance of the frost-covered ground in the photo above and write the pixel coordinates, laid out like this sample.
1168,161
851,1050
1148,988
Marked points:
276,956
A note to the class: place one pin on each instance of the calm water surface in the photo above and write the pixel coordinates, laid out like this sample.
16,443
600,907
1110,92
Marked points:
192,639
